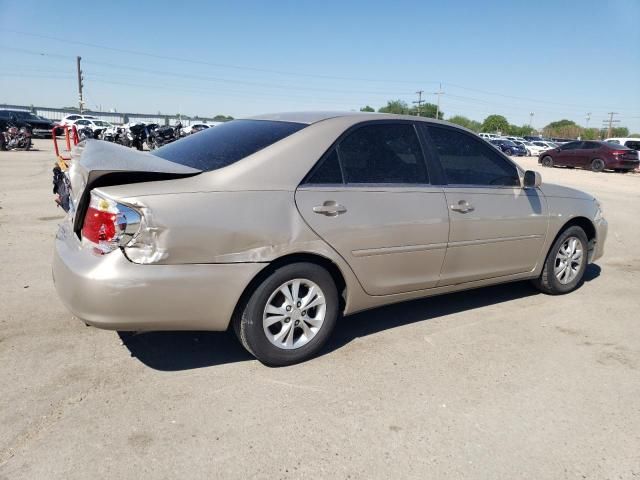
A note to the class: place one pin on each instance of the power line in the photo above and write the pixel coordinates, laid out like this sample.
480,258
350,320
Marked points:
278,72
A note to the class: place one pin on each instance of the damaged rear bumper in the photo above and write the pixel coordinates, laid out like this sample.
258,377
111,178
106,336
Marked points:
113,293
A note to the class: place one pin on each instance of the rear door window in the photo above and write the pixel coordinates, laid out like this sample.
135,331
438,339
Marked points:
327,172
468,161
219,147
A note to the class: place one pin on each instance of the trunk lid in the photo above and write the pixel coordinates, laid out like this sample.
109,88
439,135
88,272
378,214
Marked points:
97,163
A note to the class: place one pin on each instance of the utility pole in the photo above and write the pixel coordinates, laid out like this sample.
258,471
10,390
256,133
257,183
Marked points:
419,101
438,93
80,78
531,118
588,118
611,121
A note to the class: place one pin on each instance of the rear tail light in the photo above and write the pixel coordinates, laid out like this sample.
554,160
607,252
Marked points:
108,225
619,152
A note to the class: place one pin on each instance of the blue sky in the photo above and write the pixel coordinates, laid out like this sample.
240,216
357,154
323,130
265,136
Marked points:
557,59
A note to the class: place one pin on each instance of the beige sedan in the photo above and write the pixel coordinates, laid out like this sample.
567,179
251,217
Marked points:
278,225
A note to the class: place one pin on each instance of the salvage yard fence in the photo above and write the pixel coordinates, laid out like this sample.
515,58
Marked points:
113,117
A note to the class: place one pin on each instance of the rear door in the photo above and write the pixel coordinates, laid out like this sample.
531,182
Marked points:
371,199
497,228
587,152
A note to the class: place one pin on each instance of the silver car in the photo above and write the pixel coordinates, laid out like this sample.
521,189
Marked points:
279,224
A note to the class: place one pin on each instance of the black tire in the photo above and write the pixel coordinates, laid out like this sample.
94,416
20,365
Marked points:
547,161
547,282
508,152
248,324
597,165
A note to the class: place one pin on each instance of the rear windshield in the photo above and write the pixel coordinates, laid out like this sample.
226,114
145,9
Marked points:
616,146
225,144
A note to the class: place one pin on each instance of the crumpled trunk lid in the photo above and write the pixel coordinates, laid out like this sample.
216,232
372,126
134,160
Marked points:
97,163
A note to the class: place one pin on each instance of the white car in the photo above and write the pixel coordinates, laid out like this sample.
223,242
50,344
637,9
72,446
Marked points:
630,142
532,150
94,125
489,136
70,119
196,127
545,145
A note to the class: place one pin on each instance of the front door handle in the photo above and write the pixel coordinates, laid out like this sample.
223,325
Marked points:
462,206
330,208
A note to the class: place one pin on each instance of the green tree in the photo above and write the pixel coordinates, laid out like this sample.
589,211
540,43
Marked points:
427,110
634,135
590,134
563,128
517,131
222,118
620,132
367,109
466,122
399,107
495,123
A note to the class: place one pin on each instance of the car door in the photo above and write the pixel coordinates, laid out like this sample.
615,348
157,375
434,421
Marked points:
570,155
497,228
371,199
587,152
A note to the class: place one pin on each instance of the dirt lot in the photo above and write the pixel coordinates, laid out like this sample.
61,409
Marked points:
501,382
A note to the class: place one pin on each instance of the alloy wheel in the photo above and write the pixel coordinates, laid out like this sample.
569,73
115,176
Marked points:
569,260
294,314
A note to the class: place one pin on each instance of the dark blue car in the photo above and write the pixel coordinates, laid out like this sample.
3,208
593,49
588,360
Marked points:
510,148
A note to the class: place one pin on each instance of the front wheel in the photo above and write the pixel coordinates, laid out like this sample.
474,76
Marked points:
508,152
547,161
289,316
597,165
565,264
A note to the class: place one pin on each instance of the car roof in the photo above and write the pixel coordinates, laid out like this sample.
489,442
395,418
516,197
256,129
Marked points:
312,117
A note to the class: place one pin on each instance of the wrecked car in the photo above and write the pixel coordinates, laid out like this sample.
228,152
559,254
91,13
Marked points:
277,225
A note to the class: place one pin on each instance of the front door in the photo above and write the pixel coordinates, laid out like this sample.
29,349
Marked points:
370,199
497,228
571,154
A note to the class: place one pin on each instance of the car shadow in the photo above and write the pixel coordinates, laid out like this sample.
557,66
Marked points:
176,351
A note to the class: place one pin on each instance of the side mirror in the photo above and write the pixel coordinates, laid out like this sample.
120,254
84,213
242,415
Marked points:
532,179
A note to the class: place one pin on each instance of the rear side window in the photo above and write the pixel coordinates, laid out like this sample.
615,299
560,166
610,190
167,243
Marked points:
227,143
468,161
383,153
590,145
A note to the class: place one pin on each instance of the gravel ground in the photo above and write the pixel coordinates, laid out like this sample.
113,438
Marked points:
495,383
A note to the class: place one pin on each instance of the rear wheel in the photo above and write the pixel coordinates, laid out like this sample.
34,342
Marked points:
547,161
597,165
289,316
565,264
508,151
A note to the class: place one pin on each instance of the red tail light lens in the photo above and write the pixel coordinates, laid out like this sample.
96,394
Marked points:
99,226
108,225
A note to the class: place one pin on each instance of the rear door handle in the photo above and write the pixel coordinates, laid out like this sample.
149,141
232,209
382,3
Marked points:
330,208
462,206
